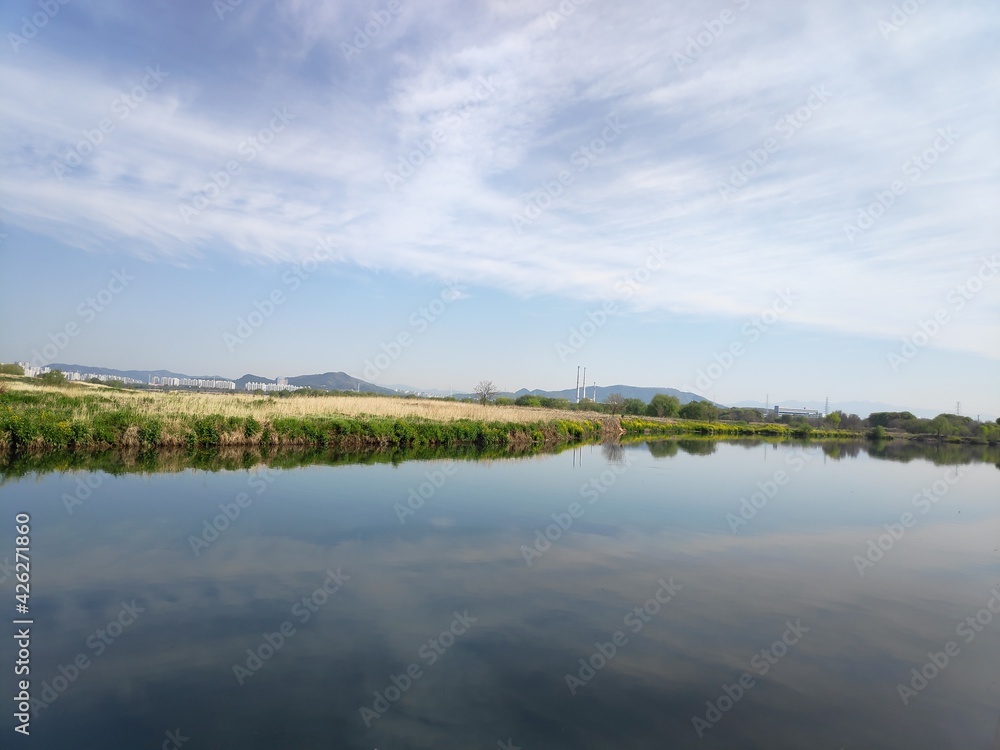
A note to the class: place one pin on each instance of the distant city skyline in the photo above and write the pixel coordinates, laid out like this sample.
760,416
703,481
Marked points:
759,197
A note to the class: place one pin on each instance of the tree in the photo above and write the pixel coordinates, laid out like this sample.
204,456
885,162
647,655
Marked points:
614,402
851,421
833,419
528,401
11,370
554,403
52,377
634,406
737,414
663,405
704,410
485,391
941,426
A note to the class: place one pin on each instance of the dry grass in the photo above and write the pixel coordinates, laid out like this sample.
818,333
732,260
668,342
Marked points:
166,405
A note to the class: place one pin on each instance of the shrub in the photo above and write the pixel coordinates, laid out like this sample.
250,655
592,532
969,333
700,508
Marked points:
878,432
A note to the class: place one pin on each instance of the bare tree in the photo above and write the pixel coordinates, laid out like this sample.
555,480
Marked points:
485,391
614,402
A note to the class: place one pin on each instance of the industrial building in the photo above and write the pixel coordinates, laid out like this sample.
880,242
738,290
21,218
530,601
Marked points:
780,411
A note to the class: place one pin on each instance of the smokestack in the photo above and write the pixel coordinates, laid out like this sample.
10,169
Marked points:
578,384
585,382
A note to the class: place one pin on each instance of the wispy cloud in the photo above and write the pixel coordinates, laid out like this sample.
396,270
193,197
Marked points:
554,80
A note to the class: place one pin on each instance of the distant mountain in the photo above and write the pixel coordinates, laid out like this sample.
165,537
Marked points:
603,391
338,381
403,388
142,375
241,383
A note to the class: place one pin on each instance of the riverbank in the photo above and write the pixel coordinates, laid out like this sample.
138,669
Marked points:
88,417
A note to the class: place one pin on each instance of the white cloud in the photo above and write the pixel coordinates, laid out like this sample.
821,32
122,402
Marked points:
656,185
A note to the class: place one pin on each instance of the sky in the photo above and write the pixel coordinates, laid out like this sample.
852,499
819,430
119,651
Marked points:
748,199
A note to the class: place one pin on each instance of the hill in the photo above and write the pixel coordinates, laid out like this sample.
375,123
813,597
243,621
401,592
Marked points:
338,381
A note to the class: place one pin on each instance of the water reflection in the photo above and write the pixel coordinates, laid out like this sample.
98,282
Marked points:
506,676
613,452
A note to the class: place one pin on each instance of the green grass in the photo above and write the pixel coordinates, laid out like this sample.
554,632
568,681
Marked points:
42,419
643,426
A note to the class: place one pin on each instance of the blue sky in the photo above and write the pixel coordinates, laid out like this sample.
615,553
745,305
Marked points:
626,186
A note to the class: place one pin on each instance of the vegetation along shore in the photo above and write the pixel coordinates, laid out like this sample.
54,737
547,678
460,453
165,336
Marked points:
38,416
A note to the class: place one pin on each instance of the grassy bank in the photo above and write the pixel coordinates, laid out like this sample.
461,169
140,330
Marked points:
87,417
649,426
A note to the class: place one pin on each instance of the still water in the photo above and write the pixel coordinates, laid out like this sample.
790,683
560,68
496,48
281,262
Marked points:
678,594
